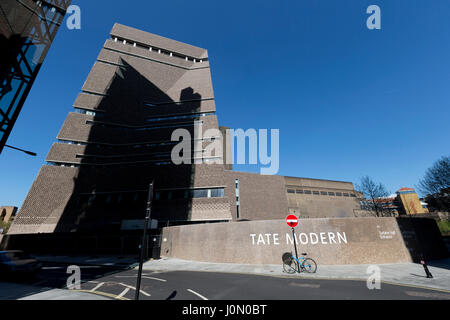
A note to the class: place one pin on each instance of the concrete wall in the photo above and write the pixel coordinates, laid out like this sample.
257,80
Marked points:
328,241
262,197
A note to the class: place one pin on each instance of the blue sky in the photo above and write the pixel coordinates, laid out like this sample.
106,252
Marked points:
348,101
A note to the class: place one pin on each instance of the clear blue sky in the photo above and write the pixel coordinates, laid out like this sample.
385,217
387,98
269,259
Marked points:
348,101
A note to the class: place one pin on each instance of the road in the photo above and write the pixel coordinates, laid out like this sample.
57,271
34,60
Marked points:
182,285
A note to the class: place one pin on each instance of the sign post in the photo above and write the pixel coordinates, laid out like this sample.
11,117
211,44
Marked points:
292,222
144,239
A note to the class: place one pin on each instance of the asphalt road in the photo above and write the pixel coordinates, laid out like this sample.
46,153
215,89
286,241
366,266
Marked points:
120,284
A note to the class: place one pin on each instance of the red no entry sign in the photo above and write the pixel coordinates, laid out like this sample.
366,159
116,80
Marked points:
291,221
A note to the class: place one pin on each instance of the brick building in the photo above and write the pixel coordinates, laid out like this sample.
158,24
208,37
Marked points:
118,139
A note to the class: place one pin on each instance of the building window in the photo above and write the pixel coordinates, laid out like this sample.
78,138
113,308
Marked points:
323,193
338,194
299,191
346,195
307,191
316,193
331,194
290,191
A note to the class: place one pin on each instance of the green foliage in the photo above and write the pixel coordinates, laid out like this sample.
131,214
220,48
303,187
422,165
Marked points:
444,226
436,185
5,226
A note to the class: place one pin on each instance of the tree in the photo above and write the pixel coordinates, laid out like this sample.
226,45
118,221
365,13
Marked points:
374,192
436,185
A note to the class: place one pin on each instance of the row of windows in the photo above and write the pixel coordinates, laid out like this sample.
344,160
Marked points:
119,127
105,165
322,193
99,114
133,163
89,112
135,146
190,193
159,50
188,116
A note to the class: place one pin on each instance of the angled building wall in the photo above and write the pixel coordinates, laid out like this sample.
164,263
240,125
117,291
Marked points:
118,139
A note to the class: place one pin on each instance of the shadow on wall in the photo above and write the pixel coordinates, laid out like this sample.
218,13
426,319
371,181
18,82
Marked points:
423,239
128,147
113,179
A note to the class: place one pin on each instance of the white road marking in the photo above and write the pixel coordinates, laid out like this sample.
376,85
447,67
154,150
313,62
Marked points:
130,287
305,285
153,278
197,294
98,286
146,277
124,292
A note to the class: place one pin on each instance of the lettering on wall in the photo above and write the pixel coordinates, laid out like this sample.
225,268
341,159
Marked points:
264,239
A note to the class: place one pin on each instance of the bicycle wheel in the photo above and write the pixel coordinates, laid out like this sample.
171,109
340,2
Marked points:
290,266
309,265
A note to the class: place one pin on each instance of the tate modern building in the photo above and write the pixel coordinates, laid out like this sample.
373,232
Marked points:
117,140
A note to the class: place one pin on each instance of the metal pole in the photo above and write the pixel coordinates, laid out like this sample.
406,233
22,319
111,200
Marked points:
295,247
30,153
144,238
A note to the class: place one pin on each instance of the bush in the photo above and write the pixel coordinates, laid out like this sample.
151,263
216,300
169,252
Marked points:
444,226
5,226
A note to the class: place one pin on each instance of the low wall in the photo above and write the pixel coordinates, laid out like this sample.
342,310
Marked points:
328,241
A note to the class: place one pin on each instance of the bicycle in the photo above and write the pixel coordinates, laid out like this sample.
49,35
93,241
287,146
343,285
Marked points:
291,264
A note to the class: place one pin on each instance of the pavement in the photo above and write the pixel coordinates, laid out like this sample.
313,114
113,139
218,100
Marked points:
397,273
112,277
410,274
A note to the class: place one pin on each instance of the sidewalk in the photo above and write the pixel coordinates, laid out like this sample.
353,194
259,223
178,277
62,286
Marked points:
411,274
125,262
14,291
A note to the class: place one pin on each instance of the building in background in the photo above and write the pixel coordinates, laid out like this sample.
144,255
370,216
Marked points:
404,202
409,203
7,214
27,29
118,139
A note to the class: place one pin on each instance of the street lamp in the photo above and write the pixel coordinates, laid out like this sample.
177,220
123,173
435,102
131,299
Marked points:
25,151
144,239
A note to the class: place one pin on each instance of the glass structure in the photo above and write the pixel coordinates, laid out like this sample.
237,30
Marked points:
27,29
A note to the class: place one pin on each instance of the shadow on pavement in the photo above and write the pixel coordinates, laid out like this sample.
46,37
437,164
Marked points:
55,275
444,263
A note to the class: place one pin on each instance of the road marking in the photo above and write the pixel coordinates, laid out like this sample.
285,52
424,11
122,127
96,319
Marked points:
146,277
153,278
130,287
124,292
197,294
305,285
98,286
100,293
